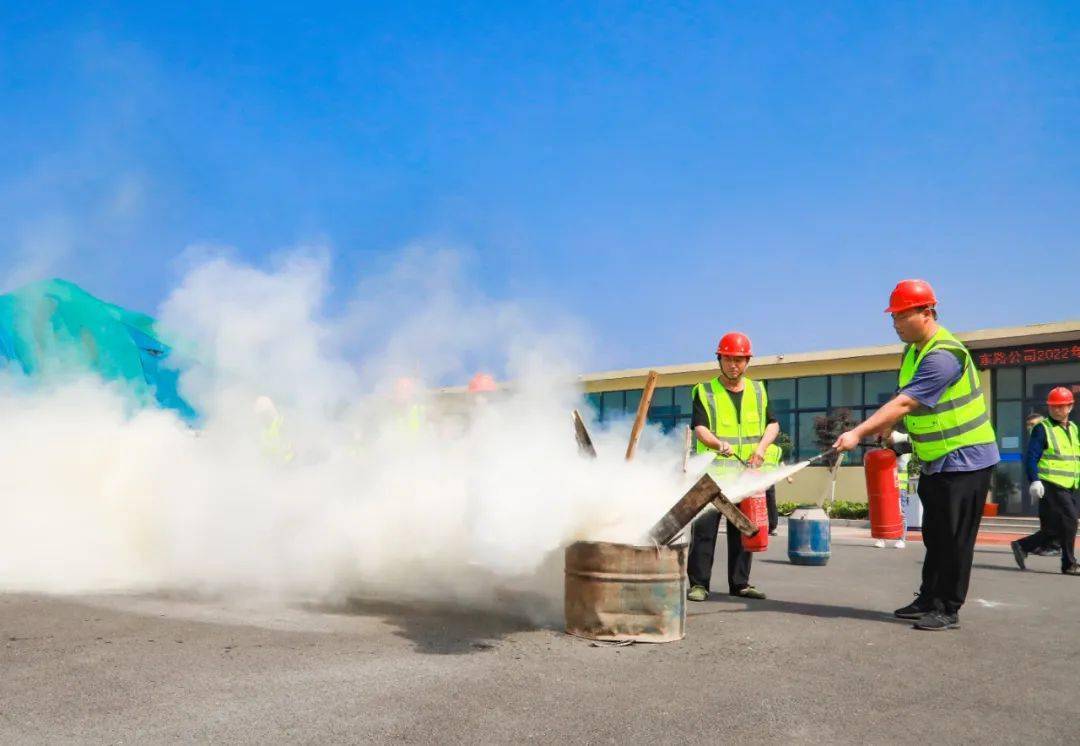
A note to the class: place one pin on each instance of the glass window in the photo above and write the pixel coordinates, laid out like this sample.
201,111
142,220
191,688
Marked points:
813,391
1042,378
846,390
1009,426
595,401
1009,488
808,440
787,427
854,457
683,403
613,404
781,393
661,405
1009,383
880,387
633,398
667,424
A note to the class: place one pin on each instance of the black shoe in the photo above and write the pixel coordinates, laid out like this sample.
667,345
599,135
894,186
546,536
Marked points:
1071,570
936,621
916,609
1018,555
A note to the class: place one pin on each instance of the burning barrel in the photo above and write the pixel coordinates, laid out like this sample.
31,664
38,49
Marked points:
621,592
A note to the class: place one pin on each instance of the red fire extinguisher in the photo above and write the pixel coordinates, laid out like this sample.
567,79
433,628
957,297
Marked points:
757,510
883,493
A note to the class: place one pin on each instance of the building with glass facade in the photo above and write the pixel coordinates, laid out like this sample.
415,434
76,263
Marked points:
1018,367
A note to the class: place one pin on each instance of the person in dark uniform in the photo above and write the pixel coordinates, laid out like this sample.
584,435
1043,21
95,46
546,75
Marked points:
732,419
1053,468
1050,547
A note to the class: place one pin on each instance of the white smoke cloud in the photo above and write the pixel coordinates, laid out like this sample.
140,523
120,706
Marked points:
472,506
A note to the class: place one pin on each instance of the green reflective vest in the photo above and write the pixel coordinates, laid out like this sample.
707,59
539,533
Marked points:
902,478
1060,462
773,454
274,443
960,417
743,430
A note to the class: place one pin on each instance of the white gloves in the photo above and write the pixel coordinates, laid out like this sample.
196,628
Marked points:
1036,489
896,438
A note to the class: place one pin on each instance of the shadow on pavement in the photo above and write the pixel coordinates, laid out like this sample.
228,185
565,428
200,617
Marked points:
821,611
1015,570
436,629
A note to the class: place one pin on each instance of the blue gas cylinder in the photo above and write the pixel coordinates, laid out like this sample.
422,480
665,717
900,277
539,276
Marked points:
809,537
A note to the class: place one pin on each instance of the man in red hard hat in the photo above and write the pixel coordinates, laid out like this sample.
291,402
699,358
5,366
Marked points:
482,383
1052,464
731,419
945,414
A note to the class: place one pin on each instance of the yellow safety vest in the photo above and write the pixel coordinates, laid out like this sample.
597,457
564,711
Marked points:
773,454
742,430
1060,461
960,418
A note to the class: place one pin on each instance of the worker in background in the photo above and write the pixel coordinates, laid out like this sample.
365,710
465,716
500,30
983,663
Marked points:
481,386
1051,547
1052,464
943,409
731,419
773,455
406,400
273,440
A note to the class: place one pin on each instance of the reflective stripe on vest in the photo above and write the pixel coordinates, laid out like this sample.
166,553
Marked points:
1060,461
742,431
960,418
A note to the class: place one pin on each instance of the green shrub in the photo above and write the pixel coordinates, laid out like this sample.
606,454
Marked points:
839,509
850,510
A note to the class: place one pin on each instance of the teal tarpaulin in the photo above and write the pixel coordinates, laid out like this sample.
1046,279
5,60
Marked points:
54,328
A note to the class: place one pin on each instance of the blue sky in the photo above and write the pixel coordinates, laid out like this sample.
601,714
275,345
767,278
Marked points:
667,171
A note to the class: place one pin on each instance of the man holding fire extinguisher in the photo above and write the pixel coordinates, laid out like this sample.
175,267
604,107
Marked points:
732,419
941,403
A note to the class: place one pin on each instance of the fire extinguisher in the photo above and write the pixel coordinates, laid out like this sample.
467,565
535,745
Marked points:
883,493
757,510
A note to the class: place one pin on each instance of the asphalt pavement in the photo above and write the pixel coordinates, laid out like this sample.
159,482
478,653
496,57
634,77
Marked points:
821,660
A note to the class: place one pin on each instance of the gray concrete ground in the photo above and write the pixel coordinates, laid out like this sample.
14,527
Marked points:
820,661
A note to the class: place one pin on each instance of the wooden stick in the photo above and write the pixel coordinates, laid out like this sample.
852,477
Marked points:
689,441
584,442
642,411
700,494
704,495
738,519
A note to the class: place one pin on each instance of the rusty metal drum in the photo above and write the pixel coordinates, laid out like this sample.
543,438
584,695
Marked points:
620,592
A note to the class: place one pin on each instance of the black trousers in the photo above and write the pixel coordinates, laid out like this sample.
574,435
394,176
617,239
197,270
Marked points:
1052,543
703,546
952,510
770,502
1057,524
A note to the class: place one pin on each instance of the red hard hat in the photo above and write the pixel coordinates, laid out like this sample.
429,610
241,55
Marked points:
911,294
482,382
1059,396
404,388
735,344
